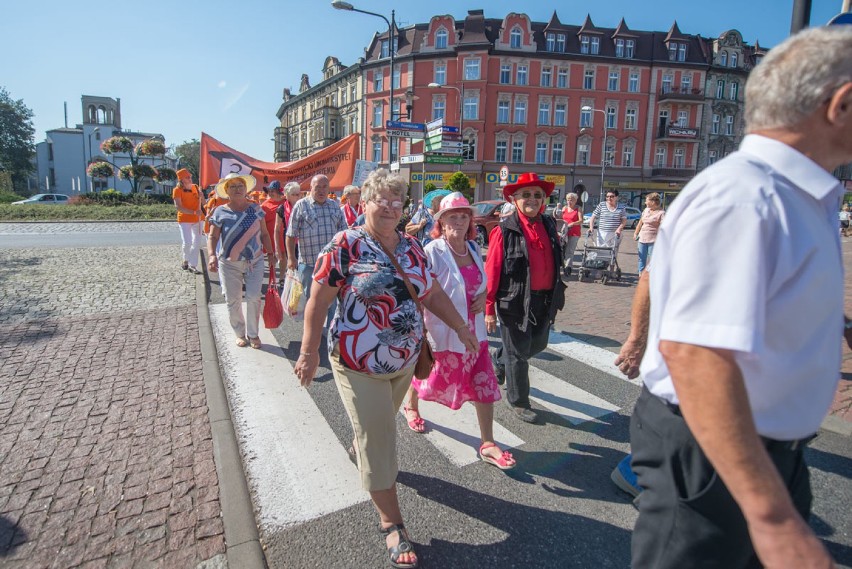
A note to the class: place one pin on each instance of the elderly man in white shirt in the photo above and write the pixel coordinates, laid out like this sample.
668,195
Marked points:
744,343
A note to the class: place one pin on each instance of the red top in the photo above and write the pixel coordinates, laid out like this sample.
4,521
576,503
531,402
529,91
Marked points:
539,251
269,208
350,213
571,217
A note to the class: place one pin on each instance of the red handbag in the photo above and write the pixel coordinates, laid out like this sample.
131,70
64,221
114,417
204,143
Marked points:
273,311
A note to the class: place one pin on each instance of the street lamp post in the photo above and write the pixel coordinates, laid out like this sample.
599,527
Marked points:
461,106
340,5
94,130
603,148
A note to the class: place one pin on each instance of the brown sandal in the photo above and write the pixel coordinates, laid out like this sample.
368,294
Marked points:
255,343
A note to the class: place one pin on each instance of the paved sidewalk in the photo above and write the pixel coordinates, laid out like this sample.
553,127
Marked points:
106,454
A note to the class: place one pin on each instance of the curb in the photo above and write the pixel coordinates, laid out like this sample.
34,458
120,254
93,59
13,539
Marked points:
242,541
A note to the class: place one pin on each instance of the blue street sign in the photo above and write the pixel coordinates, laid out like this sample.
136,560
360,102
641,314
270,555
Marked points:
841,19
399,125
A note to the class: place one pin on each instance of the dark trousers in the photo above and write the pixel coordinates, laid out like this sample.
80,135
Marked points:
518,347
687,517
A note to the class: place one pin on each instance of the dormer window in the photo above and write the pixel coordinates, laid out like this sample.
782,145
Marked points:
677,51
551,42
681,52
596,45
619,48
515,38
629,47
723,59
560,43
584,44
384,53
672,51
733,60
441,39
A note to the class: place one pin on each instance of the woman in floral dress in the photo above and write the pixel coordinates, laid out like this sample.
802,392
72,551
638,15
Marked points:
459,376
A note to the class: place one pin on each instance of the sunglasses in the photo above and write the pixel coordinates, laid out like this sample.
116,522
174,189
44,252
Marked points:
530,195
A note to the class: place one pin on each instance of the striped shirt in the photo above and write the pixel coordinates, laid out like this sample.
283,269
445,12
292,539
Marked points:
607,220
240,237
314,224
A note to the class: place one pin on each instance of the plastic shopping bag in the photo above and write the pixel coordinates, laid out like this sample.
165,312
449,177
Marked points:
294,297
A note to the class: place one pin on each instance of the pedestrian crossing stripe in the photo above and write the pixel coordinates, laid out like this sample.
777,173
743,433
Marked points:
598,358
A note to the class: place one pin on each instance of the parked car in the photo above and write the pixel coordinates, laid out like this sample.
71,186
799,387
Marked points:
44,199
486,216
633,217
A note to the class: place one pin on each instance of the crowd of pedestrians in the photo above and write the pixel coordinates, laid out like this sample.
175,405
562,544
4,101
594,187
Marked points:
730,394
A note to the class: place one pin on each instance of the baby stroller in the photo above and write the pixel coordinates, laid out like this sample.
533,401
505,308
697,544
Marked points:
600,256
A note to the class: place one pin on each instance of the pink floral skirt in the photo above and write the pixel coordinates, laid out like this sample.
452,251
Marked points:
458,378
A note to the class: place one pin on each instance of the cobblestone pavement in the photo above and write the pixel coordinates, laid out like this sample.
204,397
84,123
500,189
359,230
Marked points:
106,456
582,315
7,228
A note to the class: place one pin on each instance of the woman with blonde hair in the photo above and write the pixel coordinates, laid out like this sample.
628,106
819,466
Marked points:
646,229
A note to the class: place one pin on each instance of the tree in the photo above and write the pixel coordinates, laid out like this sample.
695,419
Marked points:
189,153
459,182
136,170
17,139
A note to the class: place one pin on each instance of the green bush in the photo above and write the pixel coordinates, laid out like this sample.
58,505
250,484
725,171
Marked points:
9,197
97,212
114,197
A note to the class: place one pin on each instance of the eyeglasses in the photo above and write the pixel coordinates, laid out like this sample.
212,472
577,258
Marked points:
530,195
397,205
610,196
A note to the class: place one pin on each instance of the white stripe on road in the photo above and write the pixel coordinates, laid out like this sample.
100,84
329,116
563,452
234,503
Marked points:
571,403
296,467
588,354
456,433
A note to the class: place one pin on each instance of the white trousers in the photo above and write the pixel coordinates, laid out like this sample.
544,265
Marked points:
190,236
233,275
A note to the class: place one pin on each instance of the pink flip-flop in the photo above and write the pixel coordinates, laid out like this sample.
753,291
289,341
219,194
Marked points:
505,462
417,424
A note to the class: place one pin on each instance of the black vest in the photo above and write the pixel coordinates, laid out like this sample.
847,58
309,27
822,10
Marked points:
513,292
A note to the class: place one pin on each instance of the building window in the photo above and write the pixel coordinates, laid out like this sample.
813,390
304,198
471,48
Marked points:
584,44
469,149
627,156
682,118
560,43
377,151
438,109
471,108
378,81
619,47
506,73
503,111
500,151
441,74
544,113
667,83
686,83
733,60
714,128
672,51
556,153
681,52
515,38
471,69
596,45
541,153
735,87
633,83
630,119
585,117
720,89
520,112
609,153
583,154
395,147
546,76
611,117
397,74
562,78
343,97
612,85
589,79
711,157
729,125
517,152
677,158
550,42
522,75
559,115
384,53
660,157
395,112
441,39
630,47
377,116
354,93
723,59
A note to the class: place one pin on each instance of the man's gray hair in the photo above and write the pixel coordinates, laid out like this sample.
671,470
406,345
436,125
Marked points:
348,189
382,180
317,178
292,188
798,76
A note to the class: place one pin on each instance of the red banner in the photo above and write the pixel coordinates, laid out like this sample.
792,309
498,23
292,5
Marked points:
336,161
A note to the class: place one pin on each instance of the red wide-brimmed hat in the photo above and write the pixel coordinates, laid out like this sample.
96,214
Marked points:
527,180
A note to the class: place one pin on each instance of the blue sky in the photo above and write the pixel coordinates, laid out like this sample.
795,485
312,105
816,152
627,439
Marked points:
187,66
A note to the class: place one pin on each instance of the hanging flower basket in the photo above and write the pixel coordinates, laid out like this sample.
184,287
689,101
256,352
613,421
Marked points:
100,169
136,172
165,175
116,145
151,147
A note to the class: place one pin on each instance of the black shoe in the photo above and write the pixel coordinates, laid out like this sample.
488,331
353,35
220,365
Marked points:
499,369
525,414
184,266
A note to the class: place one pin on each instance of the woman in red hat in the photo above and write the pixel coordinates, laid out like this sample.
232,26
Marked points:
524,286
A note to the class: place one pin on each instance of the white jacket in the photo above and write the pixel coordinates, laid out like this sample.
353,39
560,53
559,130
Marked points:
449,278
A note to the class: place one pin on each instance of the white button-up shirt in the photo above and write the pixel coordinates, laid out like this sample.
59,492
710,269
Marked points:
748,259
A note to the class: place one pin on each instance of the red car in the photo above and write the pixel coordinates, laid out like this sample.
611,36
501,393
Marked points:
486,216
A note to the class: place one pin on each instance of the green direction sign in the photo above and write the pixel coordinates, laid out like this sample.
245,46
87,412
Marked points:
444,159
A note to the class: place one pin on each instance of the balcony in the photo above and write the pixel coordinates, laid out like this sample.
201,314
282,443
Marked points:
679,133
682,95
684,173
